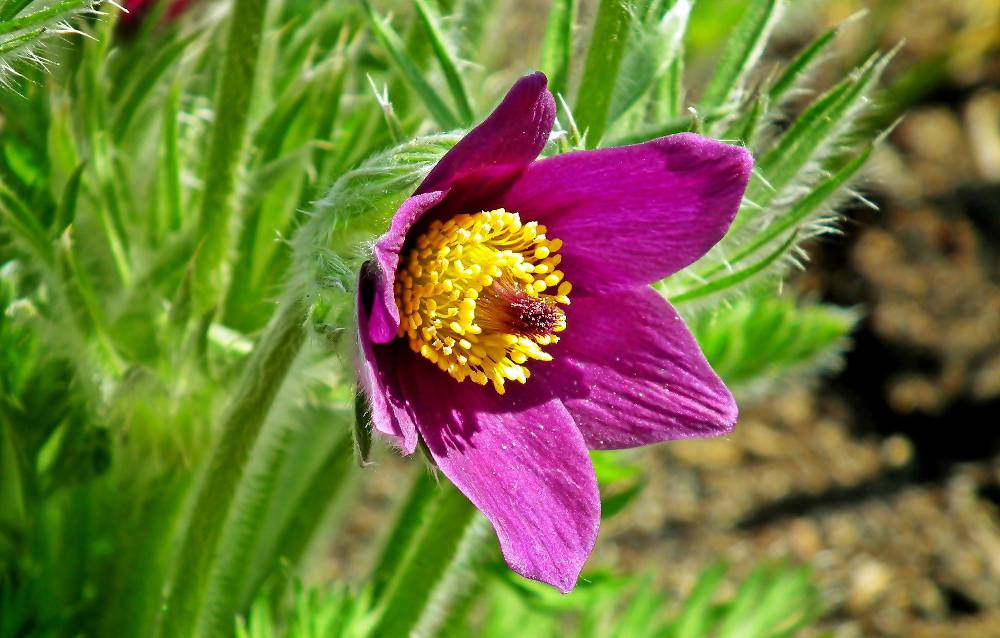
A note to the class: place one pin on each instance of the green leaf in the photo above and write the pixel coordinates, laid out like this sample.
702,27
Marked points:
82,299
404,531
743,49
239,427
227,139
620,481
391,121
670,92
447,60
818,200
771,600
813,135
25,225
66,212
695,619
743,129
604,56
21,41
411,73
800,66
652,50
427,558
807,217
58,11
557,45
144,84
313,612
667,127
299,472
757,339
362,430
111,214
170,163
735,278
10,8
13,500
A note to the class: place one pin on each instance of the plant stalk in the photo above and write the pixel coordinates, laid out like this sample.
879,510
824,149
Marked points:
225,150
241,424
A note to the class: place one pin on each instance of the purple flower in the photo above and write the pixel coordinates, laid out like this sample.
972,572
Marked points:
470,341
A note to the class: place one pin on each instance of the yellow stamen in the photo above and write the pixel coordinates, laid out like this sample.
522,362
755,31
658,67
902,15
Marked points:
471,296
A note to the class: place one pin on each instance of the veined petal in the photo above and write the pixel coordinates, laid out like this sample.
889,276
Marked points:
634,214
636,375
377,374
521,460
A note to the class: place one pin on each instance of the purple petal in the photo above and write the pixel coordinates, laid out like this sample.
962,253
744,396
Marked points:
635,214
483,163
507,141
384,320
377,374
636,375
520,459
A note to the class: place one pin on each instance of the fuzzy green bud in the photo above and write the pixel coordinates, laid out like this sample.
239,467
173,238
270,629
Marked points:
330,248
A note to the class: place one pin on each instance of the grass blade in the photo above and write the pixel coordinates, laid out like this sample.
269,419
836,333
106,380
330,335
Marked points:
446,59
144,83
813,134
653,49
24,225
557,45
226,149
394,46
695,618
743,49
427,562
56,11
604,57
799,66
758,339
736,278
66,212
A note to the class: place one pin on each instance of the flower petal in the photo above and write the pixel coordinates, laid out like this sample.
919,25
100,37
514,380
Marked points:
635,214
377,370
384,321
484,162
520,459
637,374
506,141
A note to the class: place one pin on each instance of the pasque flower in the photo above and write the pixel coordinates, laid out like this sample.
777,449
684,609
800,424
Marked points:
506,319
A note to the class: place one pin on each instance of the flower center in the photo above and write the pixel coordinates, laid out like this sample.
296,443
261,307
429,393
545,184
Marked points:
479,295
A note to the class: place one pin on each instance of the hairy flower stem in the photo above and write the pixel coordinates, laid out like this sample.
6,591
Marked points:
225,150
240,427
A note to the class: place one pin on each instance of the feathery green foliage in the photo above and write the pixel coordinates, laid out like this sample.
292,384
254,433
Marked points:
27,26
758,340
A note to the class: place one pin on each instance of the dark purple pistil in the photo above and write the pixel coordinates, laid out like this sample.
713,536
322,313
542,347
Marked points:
505,307
533,317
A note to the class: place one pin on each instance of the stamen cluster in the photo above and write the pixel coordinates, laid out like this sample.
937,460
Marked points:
479,295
